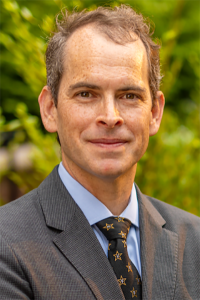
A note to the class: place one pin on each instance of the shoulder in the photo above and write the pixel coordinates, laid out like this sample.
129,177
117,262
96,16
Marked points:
173,218
170,212
20,215
176,219
26,208
28,215
23,215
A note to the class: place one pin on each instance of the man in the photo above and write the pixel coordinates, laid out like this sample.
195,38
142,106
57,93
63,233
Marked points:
102,98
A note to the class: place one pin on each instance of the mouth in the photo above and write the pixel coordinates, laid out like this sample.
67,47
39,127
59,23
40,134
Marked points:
108,143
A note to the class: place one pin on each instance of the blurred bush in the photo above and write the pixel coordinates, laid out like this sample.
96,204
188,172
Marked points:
30,155
170,168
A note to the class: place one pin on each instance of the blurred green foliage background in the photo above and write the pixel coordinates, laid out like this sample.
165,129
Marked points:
170,169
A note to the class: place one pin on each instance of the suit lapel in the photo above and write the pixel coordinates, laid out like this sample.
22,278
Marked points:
158,253
77,241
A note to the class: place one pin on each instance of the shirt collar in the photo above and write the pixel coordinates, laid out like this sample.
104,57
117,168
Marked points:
93,209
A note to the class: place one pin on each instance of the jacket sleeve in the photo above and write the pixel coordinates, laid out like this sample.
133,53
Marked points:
13,284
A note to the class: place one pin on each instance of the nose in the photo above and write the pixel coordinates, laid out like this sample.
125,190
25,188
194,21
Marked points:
109,115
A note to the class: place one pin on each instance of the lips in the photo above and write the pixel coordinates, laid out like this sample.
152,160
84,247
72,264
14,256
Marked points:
108,143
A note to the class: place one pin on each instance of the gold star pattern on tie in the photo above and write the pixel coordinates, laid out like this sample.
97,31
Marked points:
138,280
126,273
123,234
117,256
119,219
129,267
134,293
125,244
121,281
108,226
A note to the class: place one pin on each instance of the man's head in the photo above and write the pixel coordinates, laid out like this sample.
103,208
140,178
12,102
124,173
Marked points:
104,113
117,24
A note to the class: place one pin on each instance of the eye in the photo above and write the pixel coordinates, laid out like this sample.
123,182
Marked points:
85,94
130,96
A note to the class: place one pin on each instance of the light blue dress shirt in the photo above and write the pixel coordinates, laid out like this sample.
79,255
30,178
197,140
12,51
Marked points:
95,211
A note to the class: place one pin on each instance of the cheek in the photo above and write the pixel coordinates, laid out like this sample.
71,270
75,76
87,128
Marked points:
137,120
138,124
74,119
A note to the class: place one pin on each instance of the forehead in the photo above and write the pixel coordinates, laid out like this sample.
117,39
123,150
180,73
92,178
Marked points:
89,51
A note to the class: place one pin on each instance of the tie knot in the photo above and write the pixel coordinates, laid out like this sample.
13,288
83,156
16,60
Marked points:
114,227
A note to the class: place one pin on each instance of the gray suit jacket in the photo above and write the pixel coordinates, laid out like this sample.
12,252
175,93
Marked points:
49,251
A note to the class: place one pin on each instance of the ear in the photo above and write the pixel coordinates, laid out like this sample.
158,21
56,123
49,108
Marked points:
48,110
156,113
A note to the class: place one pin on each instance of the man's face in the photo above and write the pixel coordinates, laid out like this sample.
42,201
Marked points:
104,115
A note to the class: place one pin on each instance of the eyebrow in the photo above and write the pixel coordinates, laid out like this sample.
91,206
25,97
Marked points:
133,88
83,84
96,87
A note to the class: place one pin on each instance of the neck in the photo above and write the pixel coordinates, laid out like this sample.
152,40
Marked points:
114,193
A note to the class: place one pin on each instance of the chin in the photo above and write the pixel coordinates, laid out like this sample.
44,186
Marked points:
110,172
